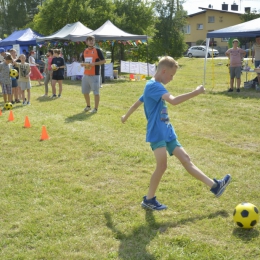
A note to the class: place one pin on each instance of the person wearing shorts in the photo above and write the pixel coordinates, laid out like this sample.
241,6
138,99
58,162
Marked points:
58,73
161,134
256,56
235,55
5,79
24,79
93,58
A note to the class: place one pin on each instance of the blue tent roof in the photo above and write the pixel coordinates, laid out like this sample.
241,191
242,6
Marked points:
22,37
247,29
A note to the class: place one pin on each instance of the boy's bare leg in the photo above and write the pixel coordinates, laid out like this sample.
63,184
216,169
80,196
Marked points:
184,158
161,166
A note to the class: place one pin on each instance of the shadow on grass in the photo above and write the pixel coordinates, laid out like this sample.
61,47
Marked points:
245,234
78,117
45,99
219,213
133,245
243,94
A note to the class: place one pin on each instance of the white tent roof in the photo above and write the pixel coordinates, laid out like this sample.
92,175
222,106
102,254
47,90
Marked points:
69,32
108,31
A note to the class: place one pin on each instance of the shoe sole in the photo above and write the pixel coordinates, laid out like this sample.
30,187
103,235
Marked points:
223,188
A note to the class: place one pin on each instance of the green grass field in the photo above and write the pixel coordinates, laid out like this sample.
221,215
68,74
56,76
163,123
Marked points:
77,195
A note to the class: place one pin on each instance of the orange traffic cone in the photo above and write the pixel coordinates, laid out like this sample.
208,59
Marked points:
11,116
44,133
0,112
27,122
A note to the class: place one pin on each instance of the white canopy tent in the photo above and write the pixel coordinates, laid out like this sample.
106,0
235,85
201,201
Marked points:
73,32
108,31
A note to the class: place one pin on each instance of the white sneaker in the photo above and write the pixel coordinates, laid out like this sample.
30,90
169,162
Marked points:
86,109
94,110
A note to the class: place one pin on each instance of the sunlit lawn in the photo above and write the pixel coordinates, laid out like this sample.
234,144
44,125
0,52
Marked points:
77,195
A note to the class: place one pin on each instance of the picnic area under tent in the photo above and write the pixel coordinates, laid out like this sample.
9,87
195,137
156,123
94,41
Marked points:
247,29
24,38
74,32
108,31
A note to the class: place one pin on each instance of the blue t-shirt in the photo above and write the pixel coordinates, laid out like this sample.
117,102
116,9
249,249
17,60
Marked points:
159,127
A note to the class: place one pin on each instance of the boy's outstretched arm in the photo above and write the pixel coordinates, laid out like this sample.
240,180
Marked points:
179,99
131,110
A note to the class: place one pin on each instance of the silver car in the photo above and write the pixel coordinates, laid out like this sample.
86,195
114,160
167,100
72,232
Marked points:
199,51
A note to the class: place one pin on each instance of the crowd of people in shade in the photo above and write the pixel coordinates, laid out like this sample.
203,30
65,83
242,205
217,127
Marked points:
14,88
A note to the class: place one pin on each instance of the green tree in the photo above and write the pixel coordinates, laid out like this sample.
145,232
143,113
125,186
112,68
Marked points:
89,12
169,36
15,14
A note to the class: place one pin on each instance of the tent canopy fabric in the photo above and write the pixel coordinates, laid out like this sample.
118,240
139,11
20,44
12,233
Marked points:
247,29
22,37
108,31
72,32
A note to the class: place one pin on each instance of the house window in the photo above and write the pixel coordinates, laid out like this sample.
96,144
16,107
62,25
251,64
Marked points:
186,29
211,19
199,26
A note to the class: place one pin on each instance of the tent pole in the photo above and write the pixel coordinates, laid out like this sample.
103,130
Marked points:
147,61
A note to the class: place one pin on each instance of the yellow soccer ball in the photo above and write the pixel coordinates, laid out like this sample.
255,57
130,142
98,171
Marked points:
246,215
13,73
8,106
54,67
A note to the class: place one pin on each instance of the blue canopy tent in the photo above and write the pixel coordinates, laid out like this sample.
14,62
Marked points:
247,29
24,38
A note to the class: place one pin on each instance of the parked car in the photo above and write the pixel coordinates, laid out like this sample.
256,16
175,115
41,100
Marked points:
199,51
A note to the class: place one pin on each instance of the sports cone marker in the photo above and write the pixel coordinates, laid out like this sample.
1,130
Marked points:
0,112
44,133
11,116
27,122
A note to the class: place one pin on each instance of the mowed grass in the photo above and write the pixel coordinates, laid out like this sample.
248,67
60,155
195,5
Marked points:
77,195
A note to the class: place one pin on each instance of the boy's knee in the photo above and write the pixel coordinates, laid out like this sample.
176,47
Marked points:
162,167
185,159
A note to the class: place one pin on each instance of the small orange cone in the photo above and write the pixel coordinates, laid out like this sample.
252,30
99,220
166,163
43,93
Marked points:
27,122
44,133
0,112
11,116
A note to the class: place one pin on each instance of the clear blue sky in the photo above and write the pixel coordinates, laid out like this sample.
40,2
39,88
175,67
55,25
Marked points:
192,6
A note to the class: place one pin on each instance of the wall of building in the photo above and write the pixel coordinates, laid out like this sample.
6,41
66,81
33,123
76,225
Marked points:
219,19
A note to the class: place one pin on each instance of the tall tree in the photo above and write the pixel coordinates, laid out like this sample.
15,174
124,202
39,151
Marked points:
169,36
15,14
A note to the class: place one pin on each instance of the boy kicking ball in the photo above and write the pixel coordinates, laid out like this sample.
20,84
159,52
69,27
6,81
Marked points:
161,134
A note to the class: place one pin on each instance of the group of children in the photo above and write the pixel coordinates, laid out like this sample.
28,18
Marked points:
17,86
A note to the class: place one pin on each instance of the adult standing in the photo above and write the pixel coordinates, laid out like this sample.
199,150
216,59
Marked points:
93,58
35,73
48,71
235,55
256,55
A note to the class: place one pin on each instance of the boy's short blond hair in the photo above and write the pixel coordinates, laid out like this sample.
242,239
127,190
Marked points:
57,51
167,62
